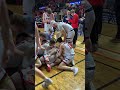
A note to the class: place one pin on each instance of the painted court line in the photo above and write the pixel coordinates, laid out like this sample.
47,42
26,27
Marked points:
102,62
108,65
59,73
97,53
109,83
110,50
63,70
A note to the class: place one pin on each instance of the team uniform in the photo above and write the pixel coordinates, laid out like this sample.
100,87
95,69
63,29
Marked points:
48,29
68,53
47,81
68,29
51,54
44,55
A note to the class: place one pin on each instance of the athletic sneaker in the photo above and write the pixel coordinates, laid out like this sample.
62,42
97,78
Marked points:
46,83
75,71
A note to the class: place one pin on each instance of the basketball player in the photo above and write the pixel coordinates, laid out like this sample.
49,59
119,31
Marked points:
65,29
47,17
51,54
47,81
68,53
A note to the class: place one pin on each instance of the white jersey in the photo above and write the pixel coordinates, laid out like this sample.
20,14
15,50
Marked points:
46,17
68,50
47,26
45,46
64,26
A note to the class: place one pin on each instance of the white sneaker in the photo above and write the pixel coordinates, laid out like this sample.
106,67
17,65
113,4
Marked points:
46,83
75,71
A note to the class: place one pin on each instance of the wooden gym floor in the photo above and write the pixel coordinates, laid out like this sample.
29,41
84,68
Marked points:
107,59
63,80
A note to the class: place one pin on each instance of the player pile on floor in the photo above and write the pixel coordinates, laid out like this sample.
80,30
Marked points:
51,53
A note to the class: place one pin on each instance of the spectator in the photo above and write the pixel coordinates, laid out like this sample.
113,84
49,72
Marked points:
74,23
98,9
65,18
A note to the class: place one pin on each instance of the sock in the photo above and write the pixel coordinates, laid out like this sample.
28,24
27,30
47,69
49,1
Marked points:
72,68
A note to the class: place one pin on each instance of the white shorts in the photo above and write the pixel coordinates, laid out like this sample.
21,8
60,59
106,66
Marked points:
68,59
70,36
